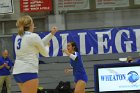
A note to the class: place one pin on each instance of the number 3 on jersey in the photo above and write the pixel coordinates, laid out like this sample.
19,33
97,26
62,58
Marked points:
19,43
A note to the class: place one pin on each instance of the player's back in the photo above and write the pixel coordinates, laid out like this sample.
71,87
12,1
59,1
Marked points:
26,53
25,48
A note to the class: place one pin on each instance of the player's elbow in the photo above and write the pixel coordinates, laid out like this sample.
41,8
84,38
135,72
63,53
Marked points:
45,54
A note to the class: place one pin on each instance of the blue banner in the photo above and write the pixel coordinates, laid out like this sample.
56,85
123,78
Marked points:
89,42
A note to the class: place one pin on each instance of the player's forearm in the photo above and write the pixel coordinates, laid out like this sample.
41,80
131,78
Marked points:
47,39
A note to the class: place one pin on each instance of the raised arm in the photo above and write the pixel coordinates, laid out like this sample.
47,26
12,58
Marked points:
39,45
48,37
72,56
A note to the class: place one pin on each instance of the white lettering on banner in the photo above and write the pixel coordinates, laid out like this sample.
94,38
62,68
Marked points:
64,41
82,43
91,52
103,42
128,43
118,41
89,42
128,46
137,34
55,46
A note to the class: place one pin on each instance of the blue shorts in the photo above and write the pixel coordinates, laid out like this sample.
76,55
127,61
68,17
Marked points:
81,77
23,77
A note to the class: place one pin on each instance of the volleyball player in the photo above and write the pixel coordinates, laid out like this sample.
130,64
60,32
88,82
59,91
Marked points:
80,77
27,47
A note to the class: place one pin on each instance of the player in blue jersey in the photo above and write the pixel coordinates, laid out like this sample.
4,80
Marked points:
79,73
28,45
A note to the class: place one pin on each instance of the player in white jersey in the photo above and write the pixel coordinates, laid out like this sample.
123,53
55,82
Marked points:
28,45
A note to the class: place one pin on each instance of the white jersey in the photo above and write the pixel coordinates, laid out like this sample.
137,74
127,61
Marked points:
27,49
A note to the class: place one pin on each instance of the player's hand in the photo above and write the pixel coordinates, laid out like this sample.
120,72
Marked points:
67,70
65,51
54,30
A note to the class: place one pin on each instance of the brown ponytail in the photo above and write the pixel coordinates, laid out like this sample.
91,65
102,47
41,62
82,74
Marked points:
23,24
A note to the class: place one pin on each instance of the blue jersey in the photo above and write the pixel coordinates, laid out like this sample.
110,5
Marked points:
78,68
4,71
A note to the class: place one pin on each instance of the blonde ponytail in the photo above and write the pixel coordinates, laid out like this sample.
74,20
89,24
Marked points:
23,24
21,31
